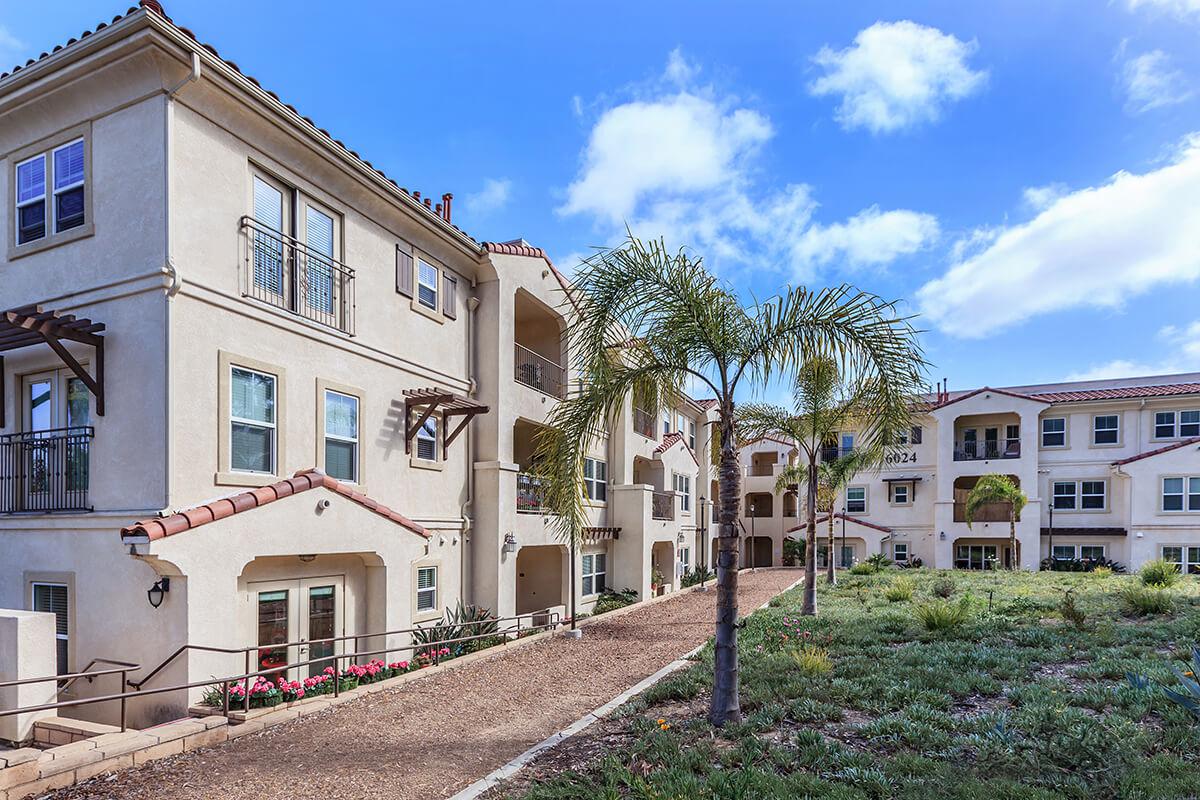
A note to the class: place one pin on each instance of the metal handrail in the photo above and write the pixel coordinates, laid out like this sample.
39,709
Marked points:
987,449
538,372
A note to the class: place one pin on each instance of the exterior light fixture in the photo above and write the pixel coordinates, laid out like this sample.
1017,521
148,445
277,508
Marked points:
942,535
510,543
155,593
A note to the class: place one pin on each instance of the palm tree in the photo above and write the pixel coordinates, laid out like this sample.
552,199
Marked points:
646,321
997,488
834,476
829,399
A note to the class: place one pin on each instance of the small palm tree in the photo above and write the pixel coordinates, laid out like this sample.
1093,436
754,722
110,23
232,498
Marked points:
827,400
997,488
834,476
646,321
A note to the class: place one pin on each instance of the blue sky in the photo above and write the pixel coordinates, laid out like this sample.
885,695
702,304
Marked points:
1025,175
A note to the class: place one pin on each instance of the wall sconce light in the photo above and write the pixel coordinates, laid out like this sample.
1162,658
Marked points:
155,593
510,543
681,537
942,535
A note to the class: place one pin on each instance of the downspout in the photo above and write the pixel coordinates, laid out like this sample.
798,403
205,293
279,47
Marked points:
175,282
468,505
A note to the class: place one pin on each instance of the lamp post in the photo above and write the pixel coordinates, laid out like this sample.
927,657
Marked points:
750,549
1050,537
703,539
843,535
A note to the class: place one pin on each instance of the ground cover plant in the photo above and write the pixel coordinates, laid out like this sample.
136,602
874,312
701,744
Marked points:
1028,696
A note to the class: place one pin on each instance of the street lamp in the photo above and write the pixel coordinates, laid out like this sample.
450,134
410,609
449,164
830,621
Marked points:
750,549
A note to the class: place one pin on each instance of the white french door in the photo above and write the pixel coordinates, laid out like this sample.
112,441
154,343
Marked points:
302,612
55,407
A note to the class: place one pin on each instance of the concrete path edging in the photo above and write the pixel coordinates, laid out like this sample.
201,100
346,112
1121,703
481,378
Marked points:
510,769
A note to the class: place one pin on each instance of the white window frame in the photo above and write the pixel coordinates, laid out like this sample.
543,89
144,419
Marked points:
593,566
354,478
431,590
594,485
906,488
57,190
1055,495
58,637
692,435
435,287
1044,432
421,436
273,425
1188,561
1173,424
848,500
1103,552
1187,435
666,421
1189,488
1116,431
900,552
1069,549
683,485
19,204
1084,494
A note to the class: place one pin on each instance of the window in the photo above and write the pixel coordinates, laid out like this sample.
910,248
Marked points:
595,480
1091,495
1054,432
975,556
50,192
683,485
901,493
847,443
427,285
594,572
1185,559
31,199
341,436
1165,424
427,440
1174,496
68,186
1064,496
1091,552
1189,423
427,588
1084,495
692,435
318,273
666,420
685,560
900,552
1106,429
856,500
1063,552
270,211
52,598
910,436
252,421
845,556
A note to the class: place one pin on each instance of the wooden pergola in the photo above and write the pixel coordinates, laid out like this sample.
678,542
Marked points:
425,402
32,325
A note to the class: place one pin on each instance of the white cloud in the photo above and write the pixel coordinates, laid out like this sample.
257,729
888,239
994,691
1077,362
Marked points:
897,75
1095,247
680,162
491,198
1150,82
1179,8
11,49
1182,342
1039,198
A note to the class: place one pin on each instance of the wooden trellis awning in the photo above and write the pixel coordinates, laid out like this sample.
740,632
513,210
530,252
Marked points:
33,325
423,403
597,534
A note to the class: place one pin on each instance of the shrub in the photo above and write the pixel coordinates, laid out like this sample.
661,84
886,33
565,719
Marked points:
943,587
1143,600
900,590
611,601
812,660
864,568
941,615
695,576
879,561
793,552
1071,612
1162,574
1102,572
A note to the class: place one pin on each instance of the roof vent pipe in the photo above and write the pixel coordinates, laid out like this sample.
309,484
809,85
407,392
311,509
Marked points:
446,198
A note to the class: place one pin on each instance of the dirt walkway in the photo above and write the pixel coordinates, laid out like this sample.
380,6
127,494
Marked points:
430,738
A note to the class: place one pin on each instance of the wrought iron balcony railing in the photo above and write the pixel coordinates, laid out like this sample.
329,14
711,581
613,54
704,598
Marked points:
539,372
530,494
45,471
987,450
288,274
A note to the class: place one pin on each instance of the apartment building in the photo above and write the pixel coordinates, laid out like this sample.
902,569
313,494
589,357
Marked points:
252,391
1111,470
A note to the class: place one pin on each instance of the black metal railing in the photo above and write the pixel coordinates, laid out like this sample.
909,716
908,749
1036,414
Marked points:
531,494
833,452
288,274
643,423
987,449
45,471
662,505
539,372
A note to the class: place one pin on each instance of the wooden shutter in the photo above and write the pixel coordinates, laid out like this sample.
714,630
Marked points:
404,269
449,295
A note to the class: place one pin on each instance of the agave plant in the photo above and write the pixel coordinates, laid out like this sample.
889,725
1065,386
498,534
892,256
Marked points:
1186,694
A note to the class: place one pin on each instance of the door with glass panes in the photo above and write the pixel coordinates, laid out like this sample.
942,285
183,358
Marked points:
55,417
291,618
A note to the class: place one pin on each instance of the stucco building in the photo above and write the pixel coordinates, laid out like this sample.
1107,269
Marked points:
244,368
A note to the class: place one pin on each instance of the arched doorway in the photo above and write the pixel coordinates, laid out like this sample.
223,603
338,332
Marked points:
540,570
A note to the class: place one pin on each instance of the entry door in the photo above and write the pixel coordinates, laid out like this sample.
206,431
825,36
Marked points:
969,442
991,439
289,614
51,402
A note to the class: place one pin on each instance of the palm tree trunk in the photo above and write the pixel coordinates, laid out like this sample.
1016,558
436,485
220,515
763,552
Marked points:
726,706
810,541
830,574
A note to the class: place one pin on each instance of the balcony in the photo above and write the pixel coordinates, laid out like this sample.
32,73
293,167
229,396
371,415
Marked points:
45,471
288,274
539,372
643,423
662,505
832,453
987,450
530,494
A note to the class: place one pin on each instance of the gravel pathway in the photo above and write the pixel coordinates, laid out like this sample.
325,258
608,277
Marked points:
432,737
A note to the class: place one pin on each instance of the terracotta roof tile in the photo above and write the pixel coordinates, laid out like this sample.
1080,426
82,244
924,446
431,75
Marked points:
188,519
670,440
1159,451
519,247
1120,393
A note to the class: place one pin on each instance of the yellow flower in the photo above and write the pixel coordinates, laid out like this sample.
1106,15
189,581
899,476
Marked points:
660,722
1189,674
664,726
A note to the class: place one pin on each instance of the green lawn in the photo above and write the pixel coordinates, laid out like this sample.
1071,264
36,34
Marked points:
1014,702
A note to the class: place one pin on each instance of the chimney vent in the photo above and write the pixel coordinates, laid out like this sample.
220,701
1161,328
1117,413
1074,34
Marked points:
446,198
428,203
416,196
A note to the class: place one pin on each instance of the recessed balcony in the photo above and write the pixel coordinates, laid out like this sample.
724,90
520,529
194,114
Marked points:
45,471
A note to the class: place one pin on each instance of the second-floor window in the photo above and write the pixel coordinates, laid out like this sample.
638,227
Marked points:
1080,495
683,485
595,479
427,285
50,192
1172,424
666,420
856,500
1106,429
1181,493
692,435
900,494
252,423
1054,432
341,436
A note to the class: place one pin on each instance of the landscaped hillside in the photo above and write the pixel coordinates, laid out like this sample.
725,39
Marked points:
1022,693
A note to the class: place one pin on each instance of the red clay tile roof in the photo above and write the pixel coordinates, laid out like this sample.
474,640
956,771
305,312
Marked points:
519,247
840,515
1159,451
188,519
1120,393
670,440
982,389
707,403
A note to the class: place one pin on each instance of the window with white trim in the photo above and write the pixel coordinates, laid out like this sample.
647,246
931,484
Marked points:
594,572
692,434
252,421
900,552
1173,424
52,598
1092,552
856,499
1106,429
1185,559
341,436
1064,496
50,189
666,420
685,560
427,578
427,440
1093,495
595,479
901,493
427,285
1181,493
1189,423
1054,432
683,485
31,199
1063,552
